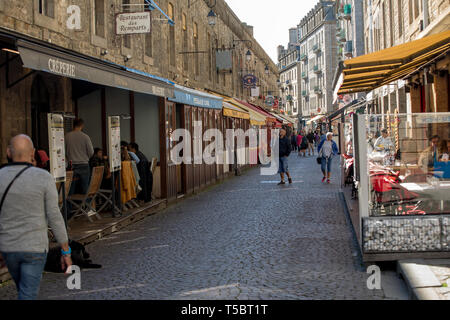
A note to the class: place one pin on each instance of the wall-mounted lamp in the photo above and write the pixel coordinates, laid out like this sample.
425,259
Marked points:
266,70
212,18
248,55
10,50
127,58
104,52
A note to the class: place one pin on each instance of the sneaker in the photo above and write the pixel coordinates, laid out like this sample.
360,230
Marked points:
290,180
323,179
328,181
281,182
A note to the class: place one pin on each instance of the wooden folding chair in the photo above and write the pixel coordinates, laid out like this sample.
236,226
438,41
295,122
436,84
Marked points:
84,203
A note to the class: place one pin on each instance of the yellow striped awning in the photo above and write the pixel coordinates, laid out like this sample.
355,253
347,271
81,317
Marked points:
230,110
379,68
256,119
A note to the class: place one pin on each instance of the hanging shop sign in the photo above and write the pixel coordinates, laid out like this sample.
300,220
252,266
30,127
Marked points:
114,143
249,81
255,92
56,147
133,23
270,101
224,60
276,104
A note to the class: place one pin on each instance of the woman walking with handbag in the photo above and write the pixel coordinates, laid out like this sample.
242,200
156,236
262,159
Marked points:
327,149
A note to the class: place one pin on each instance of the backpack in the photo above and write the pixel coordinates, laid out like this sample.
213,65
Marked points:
304,144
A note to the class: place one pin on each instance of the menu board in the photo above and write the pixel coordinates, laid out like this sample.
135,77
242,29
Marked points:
114,143
57,152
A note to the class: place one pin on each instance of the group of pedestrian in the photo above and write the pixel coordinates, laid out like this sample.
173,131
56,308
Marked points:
304,143
307,142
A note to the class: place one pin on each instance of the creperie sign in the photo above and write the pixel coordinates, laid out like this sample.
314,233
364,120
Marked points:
61,67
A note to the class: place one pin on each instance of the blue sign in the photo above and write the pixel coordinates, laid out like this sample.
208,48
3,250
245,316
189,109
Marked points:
249,81
196,98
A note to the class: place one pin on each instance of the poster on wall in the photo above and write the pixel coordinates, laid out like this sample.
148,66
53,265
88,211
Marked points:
56,146
114,143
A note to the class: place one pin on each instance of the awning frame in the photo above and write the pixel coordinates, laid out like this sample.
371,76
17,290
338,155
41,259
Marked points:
64,63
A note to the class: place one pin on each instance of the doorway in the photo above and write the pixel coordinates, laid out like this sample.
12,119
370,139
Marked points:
40,107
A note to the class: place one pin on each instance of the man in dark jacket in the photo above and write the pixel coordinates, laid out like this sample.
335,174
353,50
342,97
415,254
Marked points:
146,181
285,151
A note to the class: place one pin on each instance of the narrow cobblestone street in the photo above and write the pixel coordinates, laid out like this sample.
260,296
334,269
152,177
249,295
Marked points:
246,238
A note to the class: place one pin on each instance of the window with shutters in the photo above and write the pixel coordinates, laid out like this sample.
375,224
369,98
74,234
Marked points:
46,8
99,17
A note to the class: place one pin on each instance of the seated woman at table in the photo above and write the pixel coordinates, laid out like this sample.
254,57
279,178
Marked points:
441,162
444,151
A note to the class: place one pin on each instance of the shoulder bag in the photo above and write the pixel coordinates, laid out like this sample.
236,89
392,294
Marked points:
10,184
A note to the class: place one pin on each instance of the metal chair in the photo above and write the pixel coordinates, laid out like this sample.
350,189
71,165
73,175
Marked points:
83,203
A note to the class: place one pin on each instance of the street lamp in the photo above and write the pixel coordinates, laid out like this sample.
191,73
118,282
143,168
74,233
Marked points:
248,55
212,17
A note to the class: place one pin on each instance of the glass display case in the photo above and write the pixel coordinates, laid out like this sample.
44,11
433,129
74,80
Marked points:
402,170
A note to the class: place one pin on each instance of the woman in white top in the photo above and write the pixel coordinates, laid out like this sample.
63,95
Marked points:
327,149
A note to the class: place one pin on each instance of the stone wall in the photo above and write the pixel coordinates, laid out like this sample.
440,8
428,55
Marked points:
22,16
406,234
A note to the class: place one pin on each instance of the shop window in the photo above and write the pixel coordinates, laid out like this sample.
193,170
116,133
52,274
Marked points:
46,8
407,164
99,16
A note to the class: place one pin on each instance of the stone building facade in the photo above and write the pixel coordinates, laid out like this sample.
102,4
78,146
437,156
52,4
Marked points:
392,22
350,38
167,52
318,53
290,76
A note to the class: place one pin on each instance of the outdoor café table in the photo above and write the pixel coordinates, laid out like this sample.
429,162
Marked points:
440,191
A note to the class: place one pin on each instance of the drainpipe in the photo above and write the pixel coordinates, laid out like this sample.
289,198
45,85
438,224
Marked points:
425,13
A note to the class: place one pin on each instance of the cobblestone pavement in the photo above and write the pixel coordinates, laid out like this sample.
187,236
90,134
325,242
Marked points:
246,238
441,269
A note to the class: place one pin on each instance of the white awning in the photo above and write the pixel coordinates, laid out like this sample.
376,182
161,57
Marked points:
316,118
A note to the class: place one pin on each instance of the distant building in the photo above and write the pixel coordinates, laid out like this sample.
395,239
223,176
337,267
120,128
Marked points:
318,56
350,42
289,68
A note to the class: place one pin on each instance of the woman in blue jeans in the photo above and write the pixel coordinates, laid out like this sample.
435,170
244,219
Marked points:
327,149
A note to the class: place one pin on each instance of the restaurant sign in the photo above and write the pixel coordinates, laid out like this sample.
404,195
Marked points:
133,23
249,81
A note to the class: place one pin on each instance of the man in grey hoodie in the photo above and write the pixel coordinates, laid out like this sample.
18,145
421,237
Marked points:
28,206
